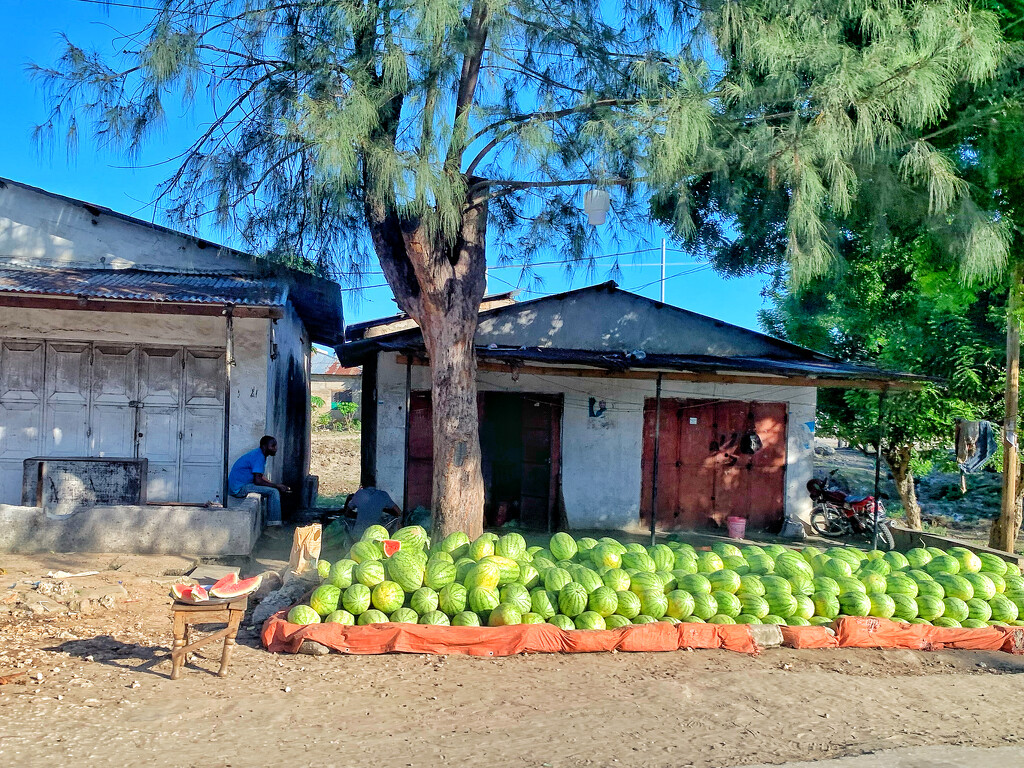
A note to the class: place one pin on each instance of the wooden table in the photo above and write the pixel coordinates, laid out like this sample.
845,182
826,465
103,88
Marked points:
228,612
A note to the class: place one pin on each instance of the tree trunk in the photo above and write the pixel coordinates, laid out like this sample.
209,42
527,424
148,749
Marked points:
898,458
441,289
1003,534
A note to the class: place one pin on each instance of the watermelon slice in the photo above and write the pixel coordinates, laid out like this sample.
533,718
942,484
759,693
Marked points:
231,586
390,546
189,593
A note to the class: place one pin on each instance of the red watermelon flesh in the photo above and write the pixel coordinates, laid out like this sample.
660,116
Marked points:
231,586
390,547
189,593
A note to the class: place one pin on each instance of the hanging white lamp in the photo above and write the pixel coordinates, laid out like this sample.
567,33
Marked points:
596,203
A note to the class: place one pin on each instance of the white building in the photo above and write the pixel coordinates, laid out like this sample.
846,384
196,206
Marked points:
569,392
123,339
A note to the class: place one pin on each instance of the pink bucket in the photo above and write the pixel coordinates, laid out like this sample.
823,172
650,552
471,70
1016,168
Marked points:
737,527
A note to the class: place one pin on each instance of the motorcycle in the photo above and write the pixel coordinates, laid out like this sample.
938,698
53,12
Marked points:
837,515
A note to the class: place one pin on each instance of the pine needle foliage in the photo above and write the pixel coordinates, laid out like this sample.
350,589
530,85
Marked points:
320,110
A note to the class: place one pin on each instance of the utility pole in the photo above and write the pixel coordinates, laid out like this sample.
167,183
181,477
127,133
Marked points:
663,270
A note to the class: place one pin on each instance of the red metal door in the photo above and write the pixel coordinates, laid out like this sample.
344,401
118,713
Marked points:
703,477
686,468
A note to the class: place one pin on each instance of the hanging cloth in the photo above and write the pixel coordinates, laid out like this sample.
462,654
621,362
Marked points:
975,444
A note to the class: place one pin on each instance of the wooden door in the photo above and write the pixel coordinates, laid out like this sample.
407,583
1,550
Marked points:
419,457
202,451
21,412
115,371
703,475
541,443
66,424
159,435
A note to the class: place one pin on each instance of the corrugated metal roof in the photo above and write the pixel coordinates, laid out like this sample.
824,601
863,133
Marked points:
140,285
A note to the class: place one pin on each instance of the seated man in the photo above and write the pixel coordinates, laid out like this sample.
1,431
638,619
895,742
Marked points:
246,476
372,506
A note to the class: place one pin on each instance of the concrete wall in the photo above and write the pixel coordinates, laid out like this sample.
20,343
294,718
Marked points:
601,458
171,530
40,230
288,406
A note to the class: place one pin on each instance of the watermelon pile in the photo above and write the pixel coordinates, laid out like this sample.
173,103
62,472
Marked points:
602,584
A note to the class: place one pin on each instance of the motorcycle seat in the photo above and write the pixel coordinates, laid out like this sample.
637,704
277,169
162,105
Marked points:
858,498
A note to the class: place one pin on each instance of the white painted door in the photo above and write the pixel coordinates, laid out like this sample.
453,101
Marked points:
21,412
159,435
115,376
202,453
66,420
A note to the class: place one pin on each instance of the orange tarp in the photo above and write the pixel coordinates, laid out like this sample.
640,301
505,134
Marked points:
870,632
278,635
808,637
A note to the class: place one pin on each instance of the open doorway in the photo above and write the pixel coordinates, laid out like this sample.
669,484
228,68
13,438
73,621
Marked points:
520,442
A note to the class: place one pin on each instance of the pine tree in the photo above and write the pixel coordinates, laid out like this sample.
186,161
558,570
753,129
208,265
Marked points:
418,130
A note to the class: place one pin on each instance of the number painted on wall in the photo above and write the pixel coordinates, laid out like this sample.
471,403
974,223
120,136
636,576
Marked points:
255,392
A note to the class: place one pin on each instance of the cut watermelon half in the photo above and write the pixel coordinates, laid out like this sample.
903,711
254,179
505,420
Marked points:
189,593
231,586
390,546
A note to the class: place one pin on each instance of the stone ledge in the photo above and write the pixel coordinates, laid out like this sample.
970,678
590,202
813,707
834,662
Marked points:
133,529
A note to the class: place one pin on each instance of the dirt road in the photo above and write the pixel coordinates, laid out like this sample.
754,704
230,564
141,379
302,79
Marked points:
95,692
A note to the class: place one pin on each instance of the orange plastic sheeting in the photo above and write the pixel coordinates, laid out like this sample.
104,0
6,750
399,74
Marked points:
1013,639
280,636
808,637
868,632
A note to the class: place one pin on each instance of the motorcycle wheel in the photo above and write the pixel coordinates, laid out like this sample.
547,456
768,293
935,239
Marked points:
884,540
828,521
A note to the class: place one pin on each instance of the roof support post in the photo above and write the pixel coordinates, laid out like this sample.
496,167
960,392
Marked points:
408,425
878,471
654,469
229,361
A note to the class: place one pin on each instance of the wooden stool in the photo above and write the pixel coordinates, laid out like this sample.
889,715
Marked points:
187,614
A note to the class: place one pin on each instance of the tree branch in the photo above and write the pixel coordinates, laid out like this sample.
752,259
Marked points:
477,41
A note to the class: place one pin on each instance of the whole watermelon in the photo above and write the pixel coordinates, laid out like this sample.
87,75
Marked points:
984,587
466,619
918,558
356,599
365,550
370,573
452,599
482,547
572,599
663,557
855,604
695,584
483,599
929,607
708,562
615,621
955,585
511,545
405,569
605,554
424,600
628,604
435,618
882,605
603,601
969,562
561,621
979,609
721,618
653,602
704,606
826,604
411,537
387,597
324,599
643,581
483,574
905,607
590,620
532,618
804,608
340,616
556,578
517,595
303,614
942,564
826,584
725,580
754,605
588,579
728,603
455,544
404,616
643,618
640,561
529,576
616,579
992,563
372,616
375,533
680,604
340,574
563,546
1003,609
438,574
504,615
543,602
956,608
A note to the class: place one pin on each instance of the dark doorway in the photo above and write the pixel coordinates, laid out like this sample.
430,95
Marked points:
704,475
520,442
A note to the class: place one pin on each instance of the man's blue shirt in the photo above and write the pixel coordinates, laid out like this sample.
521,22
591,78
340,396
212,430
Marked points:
248,464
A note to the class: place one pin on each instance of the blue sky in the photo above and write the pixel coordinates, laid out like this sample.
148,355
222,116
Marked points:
29,34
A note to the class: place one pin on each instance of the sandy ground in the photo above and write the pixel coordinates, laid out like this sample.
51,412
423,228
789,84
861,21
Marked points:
334,458
93,690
